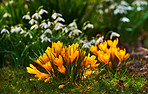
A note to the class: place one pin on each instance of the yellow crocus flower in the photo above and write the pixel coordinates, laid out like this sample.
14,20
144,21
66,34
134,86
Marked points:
61,69
113,43
103,46
32,70
57,47
103,57
93,49
121,55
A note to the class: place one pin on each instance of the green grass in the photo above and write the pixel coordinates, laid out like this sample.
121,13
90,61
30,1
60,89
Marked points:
17,80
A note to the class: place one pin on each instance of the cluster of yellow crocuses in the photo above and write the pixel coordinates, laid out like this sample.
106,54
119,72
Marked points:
71,63
109,53
68,63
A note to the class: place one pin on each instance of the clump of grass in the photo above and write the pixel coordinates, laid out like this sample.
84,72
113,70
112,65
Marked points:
17,80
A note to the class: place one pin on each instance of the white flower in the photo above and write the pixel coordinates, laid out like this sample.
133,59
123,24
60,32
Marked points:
81,41
4,30
86,45
125,19
34,27
70,34
106,10
114,34
100,11
32,21
15,29
49,23
27,17
42,36
139,8
92,41
42,11
36,15
11,2
44,25
12,29
58,26
48,31
65,29
122,9
124,3
73,24
59,19
99,40
46,39
6,15
55,15
28,33
88,26
139,2
22,31
113,6
76,31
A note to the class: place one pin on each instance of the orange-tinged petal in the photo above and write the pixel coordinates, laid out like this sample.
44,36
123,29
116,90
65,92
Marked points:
58,61
104,57
94,50
103,46
121,55
61,69
47,80
61,86
113,43
126,56
31,71
110,65
73,55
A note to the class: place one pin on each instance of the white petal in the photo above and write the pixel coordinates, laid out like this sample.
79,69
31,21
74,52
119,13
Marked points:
100,40
55,15
6,15
34,27
37,16
27,17
44,25
46,39
48,31
88,26
49,23
73,24
32,21
4,30
114,34
125,19
59,19
42,11
58,26
42,36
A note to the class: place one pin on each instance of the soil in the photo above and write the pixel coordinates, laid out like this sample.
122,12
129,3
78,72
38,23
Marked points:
139,59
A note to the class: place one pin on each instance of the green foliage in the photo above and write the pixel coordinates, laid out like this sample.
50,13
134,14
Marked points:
16,9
